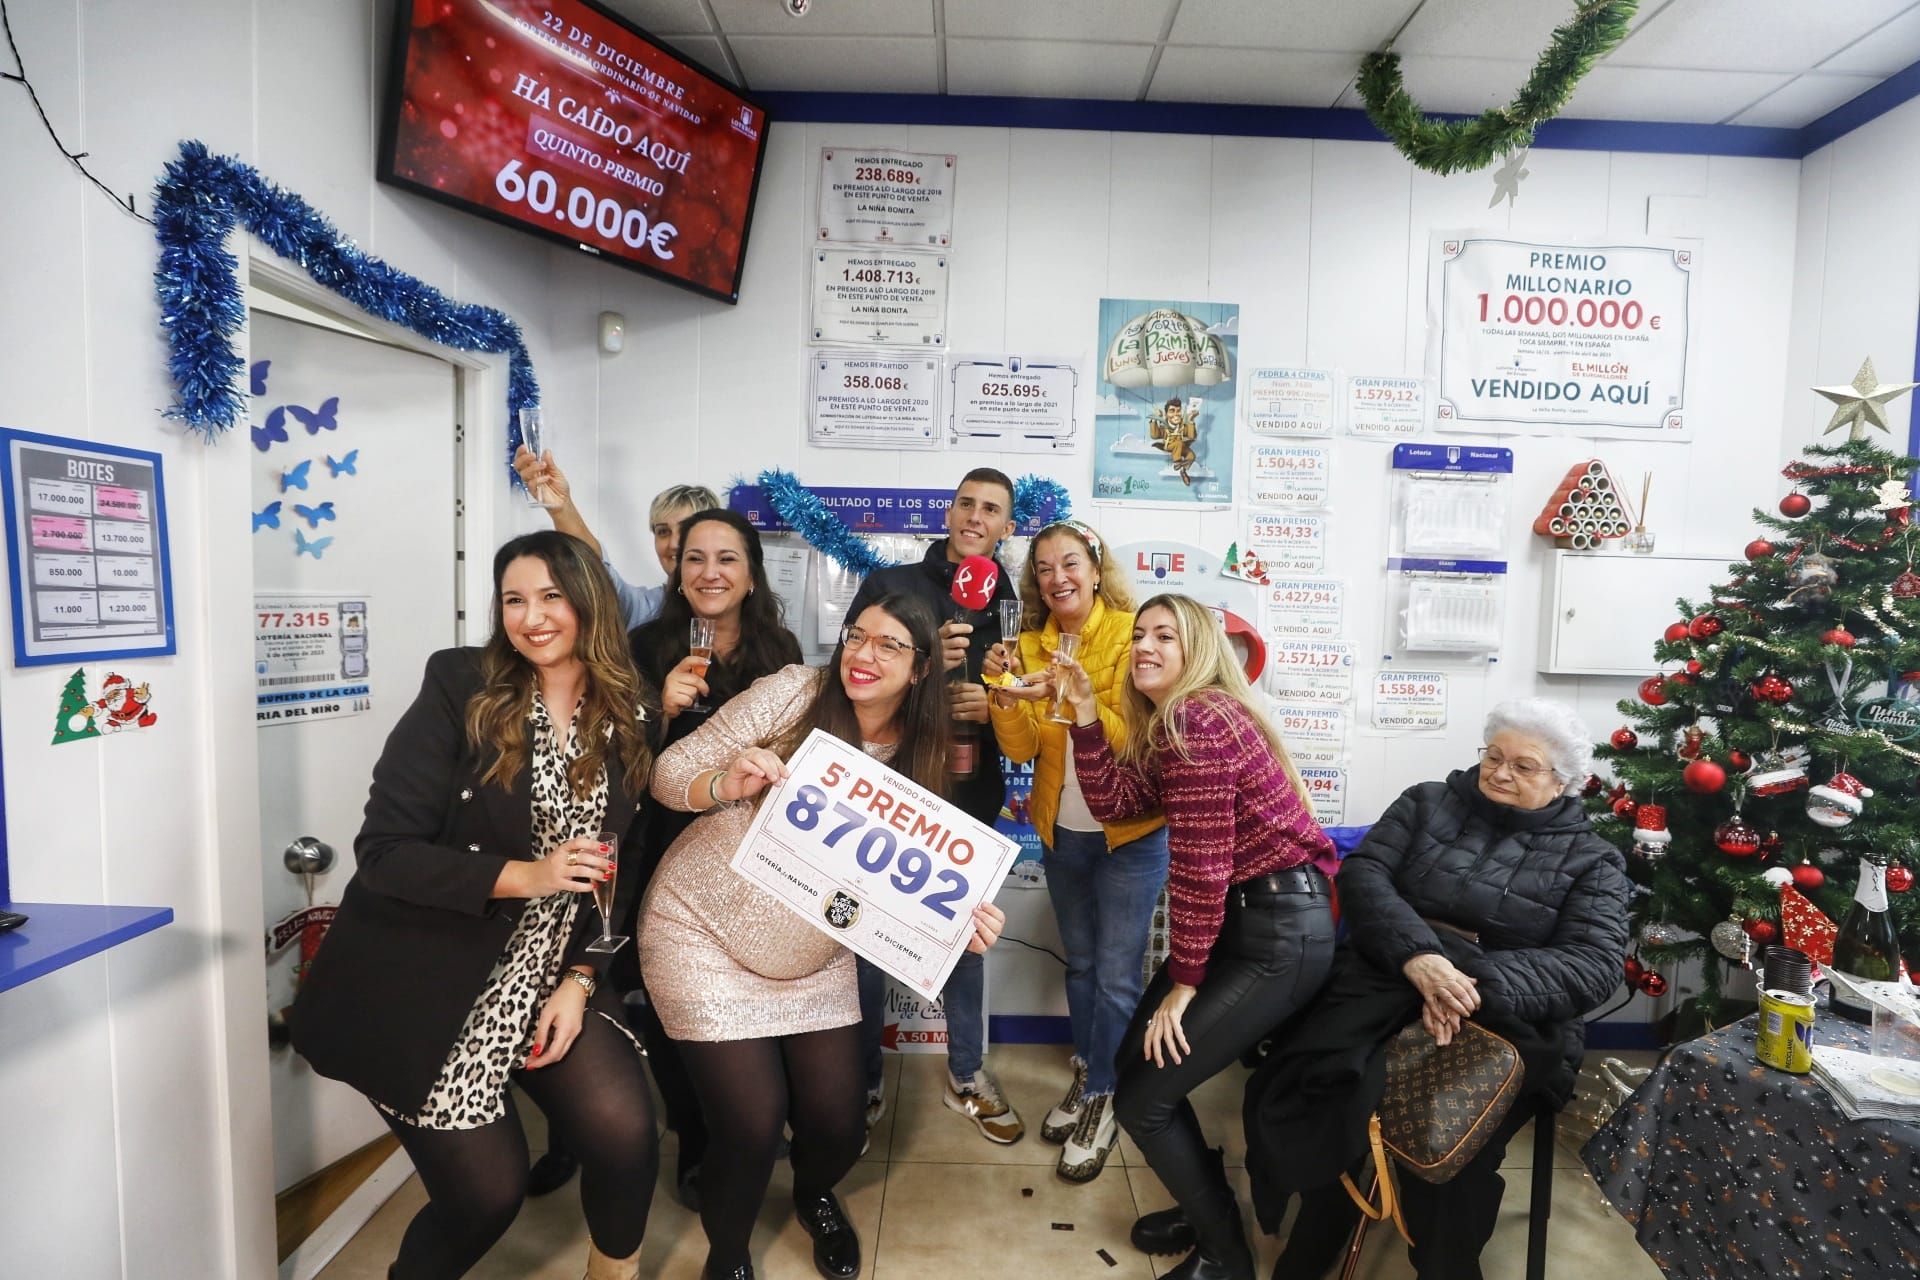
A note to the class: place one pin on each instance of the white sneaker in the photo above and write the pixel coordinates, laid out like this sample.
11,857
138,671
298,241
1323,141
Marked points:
1092,1141
1061,1121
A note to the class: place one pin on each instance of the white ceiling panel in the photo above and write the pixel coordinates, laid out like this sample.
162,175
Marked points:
1108,21
827,18
1804,100
1894,47
826,64
1752,35
663,17
1655,93
1268,77
704,50
1498,29
1046,68
1350,25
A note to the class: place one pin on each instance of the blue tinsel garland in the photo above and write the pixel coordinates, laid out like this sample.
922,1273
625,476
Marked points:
196,206
1036,500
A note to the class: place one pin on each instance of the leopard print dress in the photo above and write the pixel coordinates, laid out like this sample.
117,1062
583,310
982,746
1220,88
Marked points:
471,1090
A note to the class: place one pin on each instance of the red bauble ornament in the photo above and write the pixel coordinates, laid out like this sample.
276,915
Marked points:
1807,877
1625,808
1594,786
1651,983
1693,667
1795,505
1651,691
1705,627
1676,633
1634,971
1624,739
1761,931
1771,688
1703,777
1736,839
1899,878
1840,636
1759,549
1771,844
1739,760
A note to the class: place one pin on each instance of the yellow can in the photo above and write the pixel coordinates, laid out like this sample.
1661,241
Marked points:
1785,1041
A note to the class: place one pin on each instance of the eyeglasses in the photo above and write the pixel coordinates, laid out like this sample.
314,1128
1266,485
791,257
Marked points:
889,649
1525,770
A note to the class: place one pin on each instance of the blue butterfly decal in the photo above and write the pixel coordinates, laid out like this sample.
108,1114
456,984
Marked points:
313,548
295,477
325,418
268,518
344,467
257,375
275,430
314,515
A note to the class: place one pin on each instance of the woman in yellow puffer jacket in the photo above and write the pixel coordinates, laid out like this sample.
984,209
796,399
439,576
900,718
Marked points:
1104,881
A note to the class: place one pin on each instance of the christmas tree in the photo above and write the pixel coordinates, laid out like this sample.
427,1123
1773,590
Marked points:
72,723
1779,742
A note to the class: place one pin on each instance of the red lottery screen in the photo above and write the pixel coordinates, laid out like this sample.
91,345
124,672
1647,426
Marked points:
555,116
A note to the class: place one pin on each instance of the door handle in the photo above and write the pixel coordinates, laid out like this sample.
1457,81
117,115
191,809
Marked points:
307,856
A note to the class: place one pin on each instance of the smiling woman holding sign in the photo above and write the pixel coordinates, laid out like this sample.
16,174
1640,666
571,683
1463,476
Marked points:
1247,901
765,1006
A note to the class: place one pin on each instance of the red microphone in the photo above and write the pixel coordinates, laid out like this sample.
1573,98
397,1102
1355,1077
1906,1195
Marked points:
974,581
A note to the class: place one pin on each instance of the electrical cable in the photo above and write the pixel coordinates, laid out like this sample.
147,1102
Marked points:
74,157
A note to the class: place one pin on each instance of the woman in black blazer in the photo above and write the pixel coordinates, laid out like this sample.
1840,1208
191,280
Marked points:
457,963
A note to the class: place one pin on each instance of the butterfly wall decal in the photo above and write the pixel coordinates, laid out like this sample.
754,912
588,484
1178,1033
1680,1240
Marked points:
344,466
275,431
257,376
295,477
314,515
313,548
325,418
269,518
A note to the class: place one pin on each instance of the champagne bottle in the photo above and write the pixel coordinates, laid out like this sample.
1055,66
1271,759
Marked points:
1867,946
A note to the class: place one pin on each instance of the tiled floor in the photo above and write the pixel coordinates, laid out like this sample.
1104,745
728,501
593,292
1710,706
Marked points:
933,1199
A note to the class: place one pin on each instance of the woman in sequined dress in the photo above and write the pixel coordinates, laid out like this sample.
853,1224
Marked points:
457,963
765,1008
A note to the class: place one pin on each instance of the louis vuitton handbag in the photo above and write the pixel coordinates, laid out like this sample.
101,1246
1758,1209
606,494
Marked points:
1440,1105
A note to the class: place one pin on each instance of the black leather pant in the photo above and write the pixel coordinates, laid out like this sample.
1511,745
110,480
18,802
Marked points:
1274,952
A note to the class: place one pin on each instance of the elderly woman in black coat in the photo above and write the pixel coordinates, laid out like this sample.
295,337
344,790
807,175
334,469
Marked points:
1484,897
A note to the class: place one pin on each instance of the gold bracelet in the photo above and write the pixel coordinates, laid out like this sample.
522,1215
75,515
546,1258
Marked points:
588,983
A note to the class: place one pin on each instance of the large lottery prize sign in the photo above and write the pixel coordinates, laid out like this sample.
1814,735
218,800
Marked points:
874,861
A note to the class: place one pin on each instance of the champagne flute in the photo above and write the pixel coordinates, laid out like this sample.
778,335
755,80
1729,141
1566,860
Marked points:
700,645
607,942
533,433
1010,630
1067,646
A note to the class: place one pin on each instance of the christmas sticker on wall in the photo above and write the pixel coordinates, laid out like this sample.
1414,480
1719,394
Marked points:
121,705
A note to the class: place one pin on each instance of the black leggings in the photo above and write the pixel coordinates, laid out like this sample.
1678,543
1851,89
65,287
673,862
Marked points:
596,1097
1273,954
670,1076
750,1090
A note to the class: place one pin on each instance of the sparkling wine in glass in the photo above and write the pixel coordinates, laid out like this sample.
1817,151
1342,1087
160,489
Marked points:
1065,646
533,433
607,942
700,645
1010,629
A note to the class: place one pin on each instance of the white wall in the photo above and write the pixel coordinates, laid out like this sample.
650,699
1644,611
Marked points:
1323,245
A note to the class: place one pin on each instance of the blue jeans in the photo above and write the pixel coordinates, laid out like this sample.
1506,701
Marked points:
1104,904
965,992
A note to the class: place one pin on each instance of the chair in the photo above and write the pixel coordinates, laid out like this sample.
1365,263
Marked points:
1539,1204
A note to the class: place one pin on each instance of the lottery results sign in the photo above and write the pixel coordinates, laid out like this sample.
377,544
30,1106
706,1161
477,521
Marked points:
874,861
1584,339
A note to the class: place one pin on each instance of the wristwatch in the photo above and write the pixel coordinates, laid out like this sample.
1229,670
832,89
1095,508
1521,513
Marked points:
588,983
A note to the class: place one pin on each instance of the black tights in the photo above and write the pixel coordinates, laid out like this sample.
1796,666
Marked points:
670,1076
596,1097
749,1091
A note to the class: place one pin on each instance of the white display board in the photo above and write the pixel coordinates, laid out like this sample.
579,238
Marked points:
1013,403
866,400
1290,402
879,297
872,195
309,657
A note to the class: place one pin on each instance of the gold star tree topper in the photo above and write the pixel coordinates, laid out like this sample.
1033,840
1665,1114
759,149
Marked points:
1864,403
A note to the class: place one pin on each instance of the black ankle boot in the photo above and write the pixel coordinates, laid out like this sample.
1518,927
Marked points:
742,1272
836,1249
1221,1252
1163,1233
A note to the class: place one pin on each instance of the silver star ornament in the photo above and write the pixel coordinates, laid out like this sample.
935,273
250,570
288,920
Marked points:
1506,179
1863,403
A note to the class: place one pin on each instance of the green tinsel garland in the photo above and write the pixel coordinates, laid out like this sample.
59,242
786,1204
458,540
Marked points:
1453,146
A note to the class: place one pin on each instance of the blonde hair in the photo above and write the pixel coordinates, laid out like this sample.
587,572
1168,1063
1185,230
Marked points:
1112,587
1209,668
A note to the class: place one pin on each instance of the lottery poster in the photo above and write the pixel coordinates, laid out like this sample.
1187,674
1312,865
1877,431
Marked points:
1290,402
310,657
1410,700
87,544
881,865
1164,413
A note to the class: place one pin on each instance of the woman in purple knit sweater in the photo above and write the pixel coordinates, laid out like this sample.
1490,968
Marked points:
1247,891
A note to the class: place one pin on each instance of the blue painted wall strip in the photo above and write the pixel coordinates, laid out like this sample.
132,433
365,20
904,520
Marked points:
1896,90
1249,121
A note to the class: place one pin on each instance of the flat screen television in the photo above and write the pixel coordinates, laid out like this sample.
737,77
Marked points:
556,117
